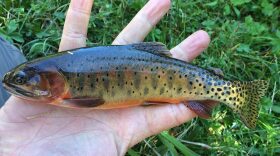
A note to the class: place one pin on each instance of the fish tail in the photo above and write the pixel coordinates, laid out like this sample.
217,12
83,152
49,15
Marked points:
246,100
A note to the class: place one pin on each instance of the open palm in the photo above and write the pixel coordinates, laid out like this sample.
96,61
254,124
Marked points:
28,128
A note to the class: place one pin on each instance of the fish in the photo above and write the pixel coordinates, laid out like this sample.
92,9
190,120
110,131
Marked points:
118,76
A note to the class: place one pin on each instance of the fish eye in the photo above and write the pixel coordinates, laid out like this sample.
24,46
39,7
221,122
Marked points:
20,78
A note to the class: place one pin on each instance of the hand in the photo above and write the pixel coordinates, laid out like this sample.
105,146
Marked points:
28,128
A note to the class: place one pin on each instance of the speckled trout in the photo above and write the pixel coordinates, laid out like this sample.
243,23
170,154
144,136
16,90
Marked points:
106,77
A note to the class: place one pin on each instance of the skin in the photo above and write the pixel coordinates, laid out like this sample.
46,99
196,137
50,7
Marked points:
29,128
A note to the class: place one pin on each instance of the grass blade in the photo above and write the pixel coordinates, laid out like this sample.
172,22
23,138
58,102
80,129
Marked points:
181,147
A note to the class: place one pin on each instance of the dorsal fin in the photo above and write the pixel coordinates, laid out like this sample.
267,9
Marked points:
152,47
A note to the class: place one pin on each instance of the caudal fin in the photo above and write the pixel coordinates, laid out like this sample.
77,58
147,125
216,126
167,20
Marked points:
248,97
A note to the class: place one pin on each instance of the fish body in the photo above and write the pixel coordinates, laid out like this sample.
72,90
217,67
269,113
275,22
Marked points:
108,77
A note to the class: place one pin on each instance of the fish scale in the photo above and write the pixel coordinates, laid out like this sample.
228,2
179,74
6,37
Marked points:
108,77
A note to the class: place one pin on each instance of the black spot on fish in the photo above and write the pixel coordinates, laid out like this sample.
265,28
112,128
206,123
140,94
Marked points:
212,89
129,92
146,91
219,89
191,83
161,91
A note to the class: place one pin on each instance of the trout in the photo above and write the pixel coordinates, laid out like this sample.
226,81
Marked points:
118,76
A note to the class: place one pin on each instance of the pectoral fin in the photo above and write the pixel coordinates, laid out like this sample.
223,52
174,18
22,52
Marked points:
83,102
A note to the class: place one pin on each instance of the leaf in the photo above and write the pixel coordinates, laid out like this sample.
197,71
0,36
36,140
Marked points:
276,108
226,9
181,147
244,48
267,8
170,146
211,4
12,26
209,24
239,2
255,28
132,152
237,12
17,37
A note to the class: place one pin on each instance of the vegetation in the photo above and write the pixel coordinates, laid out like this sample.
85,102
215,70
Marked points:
245,45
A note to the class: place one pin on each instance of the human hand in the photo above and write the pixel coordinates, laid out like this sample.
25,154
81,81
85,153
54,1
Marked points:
30,128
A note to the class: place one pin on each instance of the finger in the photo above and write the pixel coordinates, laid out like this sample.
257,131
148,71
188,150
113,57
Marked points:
143,22
192,46
159,118
75,26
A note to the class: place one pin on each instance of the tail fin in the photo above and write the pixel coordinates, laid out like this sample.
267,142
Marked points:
248,97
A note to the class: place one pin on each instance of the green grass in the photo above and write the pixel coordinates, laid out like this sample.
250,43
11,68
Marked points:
245,45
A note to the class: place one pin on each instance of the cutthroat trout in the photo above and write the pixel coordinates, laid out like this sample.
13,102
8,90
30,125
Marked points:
108,77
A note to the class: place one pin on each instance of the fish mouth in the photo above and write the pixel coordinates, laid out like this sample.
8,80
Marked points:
15,90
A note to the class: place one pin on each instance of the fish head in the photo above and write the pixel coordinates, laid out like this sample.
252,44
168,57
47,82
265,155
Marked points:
32,82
